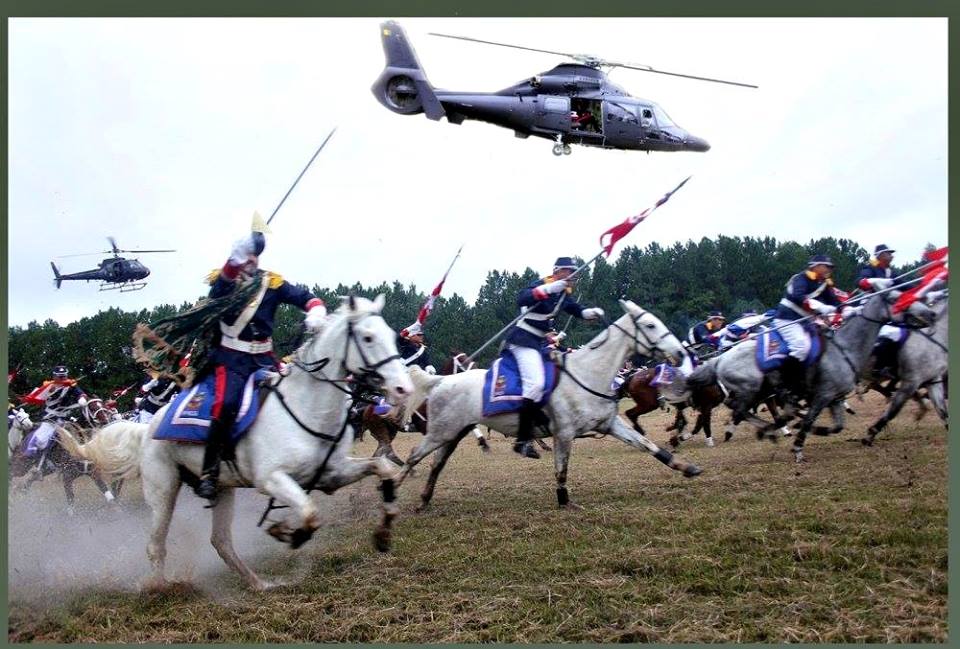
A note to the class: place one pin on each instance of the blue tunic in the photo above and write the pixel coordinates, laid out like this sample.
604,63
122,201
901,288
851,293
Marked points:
530,331
800,288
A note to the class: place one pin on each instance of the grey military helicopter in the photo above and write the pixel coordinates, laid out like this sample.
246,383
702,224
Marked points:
573,103
113,273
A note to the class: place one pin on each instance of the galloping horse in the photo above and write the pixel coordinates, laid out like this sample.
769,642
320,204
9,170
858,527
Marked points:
299,440
830,379
922,363
579,404
55,459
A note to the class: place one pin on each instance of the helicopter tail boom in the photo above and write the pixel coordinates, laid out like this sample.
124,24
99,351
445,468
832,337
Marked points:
57,278
402,86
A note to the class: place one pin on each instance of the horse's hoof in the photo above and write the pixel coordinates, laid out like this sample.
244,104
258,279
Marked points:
571,506
674,442
381,539
727,436
299,537
820,431
422,507
692,471
709,442
866,441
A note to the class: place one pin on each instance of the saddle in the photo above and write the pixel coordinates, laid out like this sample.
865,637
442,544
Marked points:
772,349
503,389
188,417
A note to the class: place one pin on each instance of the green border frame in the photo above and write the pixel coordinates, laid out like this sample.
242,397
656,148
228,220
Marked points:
490,8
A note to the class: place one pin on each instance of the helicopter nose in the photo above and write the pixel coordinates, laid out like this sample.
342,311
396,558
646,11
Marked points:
694,143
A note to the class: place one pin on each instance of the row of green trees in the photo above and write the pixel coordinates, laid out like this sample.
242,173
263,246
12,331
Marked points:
680,284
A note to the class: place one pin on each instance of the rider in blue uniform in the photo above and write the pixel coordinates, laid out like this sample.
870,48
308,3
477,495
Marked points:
703,333
807,293
540,303
245,344
876,275
412,349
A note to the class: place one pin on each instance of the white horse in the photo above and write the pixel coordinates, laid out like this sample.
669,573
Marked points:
300,439
20,426
581,402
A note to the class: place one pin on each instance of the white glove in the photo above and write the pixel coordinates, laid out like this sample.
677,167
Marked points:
850,311
431,369
555,287
561,336
934,296
149,385
316,316
82,401
242,249
820,307
879,283
592,313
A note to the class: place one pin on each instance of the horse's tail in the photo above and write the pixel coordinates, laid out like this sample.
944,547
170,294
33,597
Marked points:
423,383
704,375
115,450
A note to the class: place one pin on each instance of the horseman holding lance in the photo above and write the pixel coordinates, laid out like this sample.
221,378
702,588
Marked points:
245,340
57,396
704,332
411,347
807,293
156,393
539,304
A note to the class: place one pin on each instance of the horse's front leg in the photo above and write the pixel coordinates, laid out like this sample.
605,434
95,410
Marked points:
619,430
816,407
282,487
352,469
221,537
904,392
561,458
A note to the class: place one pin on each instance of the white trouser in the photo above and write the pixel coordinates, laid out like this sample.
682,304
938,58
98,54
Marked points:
44,434
686,366
144,417
530,364
891,333
796,337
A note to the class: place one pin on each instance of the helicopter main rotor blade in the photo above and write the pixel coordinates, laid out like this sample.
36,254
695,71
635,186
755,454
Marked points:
84,254
647,68
146,250
517,47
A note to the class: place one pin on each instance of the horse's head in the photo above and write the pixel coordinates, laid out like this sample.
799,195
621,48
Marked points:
22,419
651,336
96,413
916,315
371,346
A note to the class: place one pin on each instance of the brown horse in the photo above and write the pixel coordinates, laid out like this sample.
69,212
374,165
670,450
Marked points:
647,399
55,459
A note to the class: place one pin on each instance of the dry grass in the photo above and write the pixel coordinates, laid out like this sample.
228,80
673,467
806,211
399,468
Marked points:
849,546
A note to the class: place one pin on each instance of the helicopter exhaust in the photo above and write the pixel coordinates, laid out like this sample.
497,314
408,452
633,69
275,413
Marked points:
57,278
402,86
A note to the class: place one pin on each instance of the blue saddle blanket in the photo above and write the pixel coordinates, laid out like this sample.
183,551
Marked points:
772,349
188,417
503,390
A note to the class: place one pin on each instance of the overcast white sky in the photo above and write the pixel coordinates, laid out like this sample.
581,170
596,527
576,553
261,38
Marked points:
169,133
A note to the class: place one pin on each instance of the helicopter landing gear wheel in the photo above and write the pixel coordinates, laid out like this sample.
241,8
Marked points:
557,149
567,150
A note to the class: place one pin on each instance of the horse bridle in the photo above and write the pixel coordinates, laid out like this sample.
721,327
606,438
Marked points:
368,374
652,346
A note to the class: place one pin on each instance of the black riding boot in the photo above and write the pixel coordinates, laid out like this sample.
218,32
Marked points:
885,353
528,415
207,488
793,377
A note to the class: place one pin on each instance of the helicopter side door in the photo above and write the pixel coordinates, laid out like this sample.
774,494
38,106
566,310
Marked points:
553,113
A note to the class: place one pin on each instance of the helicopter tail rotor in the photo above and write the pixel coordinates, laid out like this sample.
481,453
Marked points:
57,278
402,86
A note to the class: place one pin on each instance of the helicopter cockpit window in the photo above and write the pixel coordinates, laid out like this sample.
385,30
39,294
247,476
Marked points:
646,116
662,118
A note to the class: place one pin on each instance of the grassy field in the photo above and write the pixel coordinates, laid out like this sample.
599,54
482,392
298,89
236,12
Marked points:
848,546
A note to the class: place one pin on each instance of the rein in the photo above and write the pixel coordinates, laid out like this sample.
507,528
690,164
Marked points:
650,346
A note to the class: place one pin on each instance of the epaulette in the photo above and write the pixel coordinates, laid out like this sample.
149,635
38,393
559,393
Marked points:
874,262
810,274
275,280
212,276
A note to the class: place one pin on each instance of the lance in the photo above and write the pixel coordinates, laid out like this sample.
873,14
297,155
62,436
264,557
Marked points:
319,149
919,268
616,233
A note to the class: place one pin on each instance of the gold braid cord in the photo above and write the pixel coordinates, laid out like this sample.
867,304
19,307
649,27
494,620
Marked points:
162,345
